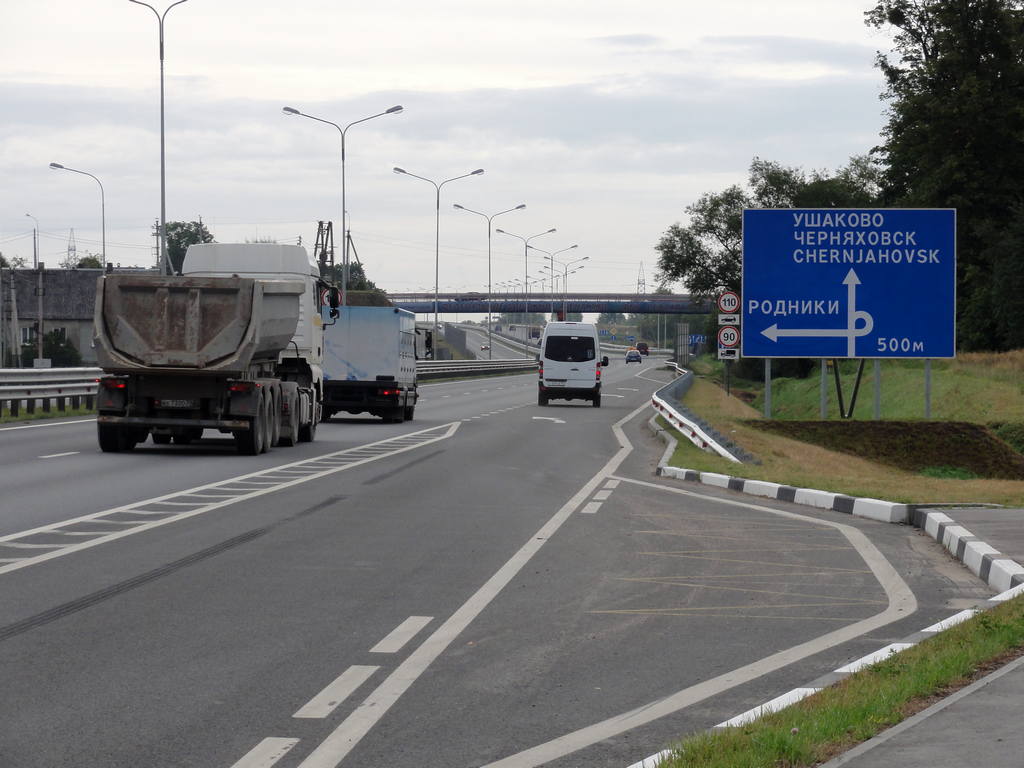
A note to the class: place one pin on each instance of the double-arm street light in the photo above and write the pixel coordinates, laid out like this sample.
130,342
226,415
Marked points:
526,264
489,219
551,258
35,241
344,211
565,274
103,204
165,262
437,226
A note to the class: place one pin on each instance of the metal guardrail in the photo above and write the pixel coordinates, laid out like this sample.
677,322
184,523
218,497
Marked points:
697,433
47,387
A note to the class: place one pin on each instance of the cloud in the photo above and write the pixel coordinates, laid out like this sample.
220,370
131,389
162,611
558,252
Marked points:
630,41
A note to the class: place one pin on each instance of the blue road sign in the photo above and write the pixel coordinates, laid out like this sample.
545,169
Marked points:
849,283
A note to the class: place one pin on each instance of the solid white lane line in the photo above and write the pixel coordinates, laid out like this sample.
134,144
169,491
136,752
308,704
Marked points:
612,484
329,698
266,753
352,729
58,455
19,545
591,508
38,426
602,495
401,634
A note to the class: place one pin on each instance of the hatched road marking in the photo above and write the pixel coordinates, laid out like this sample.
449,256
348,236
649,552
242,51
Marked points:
193,502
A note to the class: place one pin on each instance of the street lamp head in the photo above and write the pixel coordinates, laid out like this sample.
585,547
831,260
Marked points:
399,170
519,207
575,245
456,205
477,172
502,231
394,110
550,231
57,165
290,111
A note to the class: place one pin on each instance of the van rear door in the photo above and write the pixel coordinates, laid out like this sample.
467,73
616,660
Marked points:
571,359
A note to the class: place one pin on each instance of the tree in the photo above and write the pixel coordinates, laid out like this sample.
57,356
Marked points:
90,261
357,279
707,254
611,318
14,262
955,139
56,347
182,234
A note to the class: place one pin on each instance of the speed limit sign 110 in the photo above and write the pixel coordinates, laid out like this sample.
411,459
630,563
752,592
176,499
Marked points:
728,302
728,336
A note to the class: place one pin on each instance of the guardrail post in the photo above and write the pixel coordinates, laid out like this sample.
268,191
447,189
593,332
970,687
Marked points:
30,405
14,407
90,401
46,404
62,403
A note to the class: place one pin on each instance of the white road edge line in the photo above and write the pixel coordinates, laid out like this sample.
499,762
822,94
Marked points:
345,737
58,455
55,424
401,634
325,702
266,753
902,603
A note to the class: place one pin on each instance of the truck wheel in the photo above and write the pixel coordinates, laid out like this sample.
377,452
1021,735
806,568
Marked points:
161,438
110,438
250,442
275,420
307,432
290,435
597,401
396,415
409,411
268,418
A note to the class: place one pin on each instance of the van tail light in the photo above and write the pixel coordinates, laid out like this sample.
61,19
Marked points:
598,371
540,371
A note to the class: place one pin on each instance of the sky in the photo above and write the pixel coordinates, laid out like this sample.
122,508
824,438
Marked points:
606,119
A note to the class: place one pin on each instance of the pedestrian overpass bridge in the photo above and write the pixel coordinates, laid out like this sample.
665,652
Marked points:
631,303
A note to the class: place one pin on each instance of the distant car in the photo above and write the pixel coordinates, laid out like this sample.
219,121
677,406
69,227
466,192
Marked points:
642,347
633,356
484,346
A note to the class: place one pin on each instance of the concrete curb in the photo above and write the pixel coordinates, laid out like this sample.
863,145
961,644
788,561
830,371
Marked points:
1001,573
872,509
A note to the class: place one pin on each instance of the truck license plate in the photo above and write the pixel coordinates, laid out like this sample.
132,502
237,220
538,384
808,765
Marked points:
179,403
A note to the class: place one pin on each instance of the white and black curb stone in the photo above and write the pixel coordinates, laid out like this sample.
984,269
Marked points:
1000,572
873,509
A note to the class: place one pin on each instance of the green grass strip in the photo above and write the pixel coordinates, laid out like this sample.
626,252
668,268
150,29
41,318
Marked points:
40,414
864,704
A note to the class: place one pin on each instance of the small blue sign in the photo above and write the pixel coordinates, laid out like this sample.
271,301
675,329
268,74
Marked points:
856,283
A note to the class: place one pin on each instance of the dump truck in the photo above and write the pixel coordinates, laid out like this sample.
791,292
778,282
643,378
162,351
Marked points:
234,343
370,363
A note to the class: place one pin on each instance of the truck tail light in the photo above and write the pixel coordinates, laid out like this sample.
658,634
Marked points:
112,383
387,392
242,386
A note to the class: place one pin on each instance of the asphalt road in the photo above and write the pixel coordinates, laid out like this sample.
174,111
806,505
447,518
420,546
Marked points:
493,583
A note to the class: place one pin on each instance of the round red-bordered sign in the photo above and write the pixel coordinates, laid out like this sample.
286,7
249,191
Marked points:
728,336
728,302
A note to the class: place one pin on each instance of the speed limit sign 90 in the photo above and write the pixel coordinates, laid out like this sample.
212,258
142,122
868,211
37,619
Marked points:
728,336
728,302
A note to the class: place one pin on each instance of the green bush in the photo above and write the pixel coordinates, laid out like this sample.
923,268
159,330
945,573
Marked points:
1011,432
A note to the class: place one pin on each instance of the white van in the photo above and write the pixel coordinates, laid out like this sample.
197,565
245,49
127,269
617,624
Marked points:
569,366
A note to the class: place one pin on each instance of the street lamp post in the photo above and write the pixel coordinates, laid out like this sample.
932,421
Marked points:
520,207
103,204
344,221
165,262
565,274
35,241
437,226
526,264
551,258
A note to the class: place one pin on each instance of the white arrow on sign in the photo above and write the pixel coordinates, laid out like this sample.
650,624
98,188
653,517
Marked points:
548,418
851,332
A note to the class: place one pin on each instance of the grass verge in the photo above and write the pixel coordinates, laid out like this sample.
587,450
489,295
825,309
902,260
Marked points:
805,465
866,703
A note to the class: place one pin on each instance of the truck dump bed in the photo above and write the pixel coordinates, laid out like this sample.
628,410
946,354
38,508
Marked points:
218,325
